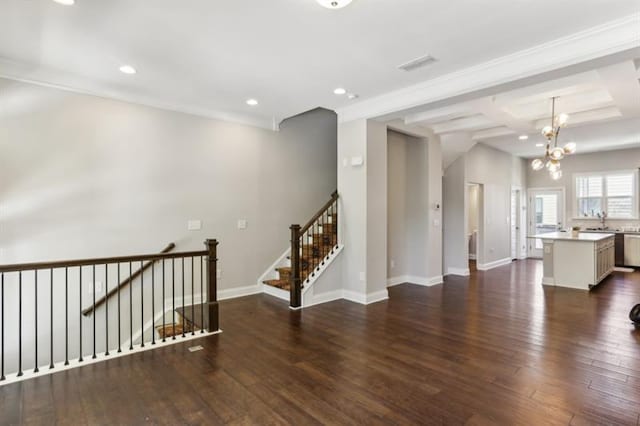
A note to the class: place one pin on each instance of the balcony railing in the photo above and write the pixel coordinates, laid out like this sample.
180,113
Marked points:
42,304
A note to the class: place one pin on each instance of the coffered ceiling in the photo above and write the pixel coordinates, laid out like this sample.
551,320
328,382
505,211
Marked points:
603,105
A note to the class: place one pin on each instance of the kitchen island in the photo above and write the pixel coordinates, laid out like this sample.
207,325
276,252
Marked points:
580,261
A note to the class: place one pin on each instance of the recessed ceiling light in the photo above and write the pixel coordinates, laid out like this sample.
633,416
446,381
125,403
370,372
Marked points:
65,2
523,137
539,145
334,4
340,91
252,102
127,69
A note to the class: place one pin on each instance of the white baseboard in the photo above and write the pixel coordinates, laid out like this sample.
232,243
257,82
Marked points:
276,292
101,357
494,264
365,299
397,280
412,279
310,299
548,281
463,272
232,293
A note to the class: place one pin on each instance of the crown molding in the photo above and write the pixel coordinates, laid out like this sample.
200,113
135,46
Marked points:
597,42
68,82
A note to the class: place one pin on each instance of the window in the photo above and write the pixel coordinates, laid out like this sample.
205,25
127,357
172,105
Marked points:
615,193
547,210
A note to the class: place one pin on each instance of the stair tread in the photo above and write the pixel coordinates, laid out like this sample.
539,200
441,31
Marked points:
281,284
168,330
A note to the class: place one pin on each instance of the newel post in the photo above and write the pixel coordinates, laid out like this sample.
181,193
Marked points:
295,283
212,285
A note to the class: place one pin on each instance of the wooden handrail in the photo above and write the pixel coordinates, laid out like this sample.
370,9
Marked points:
297,233
126,281
98,261
324,208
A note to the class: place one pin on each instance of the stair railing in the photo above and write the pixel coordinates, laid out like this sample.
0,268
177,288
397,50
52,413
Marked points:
55,292
310,245
124,282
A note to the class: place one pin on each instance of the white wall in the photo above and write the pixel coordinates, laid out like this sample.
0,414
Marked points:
397,226
496,172
473,208
408,206
627,159
82,176
456,256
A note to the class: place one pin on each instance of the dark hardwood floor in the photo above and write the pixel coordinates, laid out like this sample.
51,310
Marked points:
496,348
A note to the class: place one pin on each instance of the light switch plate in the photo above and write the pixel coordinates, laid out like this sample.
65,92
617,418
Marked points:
242,224
362,276
194,225
357,161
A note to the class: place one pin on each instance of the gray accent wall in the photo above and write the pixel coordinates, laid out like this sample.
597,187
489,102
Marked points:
83,176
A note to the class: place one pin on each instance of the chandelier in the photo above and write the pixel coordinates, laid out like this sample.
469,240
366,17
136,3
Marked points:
553,153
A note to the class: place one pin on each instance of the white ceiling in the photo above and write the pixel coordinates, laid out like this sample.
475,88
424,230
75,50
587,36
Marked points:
209,56
603,105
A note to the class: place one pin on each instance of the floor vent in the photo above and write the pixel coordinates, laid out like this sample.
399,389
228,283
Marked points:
195,348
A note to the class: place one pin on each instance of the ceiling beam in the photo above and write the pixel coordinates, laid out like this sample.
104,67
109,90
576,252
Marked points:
622,83
475,122
438,115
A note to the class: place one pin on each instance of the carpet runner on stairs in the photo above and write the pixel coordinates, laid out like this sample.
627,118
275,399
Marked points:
312,255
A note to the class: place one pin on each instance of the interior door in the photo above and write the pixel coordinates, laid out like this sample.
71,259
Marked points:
515,223
546,209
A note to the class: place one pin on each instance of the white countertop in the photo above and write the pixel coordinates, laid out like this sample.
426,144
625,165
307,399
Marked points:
587,236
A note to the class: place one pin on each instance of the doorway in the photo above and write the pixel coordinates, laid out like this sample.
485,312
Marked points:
546,215
515,223
473,224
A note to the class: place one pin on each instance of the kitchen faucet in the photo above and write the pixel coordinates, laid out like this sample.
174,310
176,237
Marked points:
603,217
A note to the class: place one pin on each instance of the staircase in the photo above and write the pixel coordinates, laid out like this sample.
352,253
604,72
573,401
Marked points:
319,246
312,246
185,322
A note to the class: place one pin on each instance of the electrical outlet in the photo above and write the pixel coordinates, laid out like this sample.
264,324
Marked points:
219,273
242,224
362,276
393,263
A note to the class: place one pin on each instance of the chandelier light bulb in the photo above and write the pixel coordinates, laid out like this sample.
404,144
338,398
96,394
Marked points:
556,153
570,148
556,174
562,120
547,131
537,164
553,165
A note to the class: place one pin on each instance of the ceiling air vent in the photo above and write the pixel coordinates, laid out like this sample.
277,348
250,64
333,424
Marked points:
416,63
